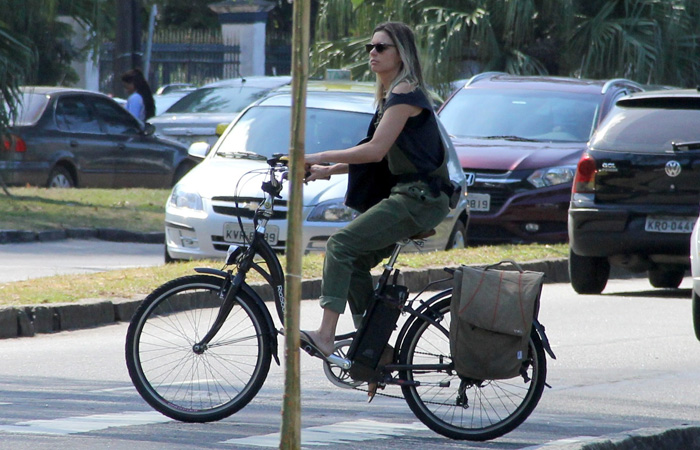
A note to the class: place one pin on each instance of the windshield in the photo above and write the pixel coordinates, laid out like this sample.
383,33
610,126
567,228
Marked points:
521,115
218,100
647,129
265,130
30,109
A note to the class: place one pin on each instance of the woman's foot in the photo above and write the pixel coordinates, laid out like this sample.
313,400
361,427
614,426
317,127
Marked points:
314,339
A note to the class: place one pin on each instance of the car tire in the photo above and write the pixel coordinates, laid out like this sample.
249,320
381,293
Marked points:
167,258
458,237
696,315
588,274
661,277
60,177
181,171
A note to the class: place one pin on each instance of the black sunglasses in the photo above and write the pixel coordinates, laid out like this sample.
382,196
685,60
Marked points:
379,47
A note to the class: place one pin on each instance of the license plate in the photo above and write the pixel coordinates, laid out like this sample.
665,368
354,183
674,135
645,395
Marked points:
233,233
479,202
669,224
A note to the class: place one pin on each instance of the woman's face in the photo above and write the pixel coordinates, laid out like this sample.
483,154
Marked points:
388,61
129,87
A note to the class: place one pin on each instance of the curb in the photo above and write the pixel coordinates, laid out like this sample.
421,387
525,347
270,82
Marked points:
27,321
683,437
105,234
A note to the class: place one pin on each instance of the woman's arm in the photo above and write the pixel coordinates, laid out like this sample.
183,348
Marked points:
389,128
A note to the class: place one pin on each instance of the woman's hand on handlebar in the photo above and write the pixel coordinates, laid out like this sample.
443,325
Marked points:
317,172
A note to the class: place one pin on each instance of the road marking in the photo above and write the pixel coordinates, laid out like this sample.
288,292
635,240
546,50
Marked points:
85,424
557,443
337,433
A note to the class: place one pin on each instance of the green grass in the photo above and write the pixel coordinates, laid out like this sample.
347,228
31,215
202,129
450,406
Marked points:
142,210
138,282
37,209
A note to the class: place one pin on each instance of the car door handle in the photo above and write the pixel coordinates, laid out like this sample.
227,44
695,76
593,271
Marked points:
121,146
73,143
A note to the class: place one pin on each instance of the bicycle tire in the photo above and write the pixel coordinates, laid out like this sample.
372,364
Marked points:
171,376
493,408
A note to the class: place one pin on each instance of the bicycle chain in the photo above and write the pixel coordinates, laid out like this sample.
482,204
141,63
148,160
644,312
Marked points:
392,395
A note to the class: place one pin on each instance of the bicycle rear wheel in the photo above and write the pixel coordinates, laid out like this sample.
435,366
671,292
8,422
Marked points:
189,385
487,409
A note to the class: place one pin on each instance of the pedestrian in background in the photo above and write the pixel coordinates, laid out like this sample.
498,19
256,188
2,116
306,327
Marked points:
140,102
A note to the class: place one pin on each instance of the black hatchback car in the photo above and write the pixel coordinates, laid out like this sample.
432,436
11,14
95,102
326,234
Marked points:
636,192
66,137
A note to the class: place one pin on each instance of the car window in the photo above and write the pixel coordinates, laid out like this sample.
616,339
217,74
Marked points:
529,114
30,108
218,100
646,129
73,114
264,130
114,118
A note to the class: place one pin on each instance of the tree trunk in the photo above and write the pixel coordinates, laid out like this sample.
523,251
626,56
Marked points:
290,435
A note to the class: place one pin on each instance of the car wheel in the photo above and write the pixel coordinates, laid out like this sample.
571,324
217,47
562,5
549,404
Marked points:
458,237
167,258
181,171
60,177
661,277
696,315
588,274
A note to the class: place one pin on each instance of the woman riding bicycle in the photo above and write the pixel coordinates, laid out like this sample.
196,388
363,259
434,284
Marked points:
404,132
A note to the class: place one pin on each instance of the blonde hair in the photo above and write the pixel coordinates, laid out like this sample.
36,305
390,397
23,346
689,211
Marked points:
402,37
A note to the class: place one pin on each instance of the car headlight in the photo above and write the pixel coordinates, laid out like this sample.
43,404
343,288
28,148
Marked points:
332,211
180,198
551,176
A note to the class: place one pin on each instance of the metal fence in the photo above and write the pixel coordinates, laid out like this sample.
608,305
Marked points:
194,57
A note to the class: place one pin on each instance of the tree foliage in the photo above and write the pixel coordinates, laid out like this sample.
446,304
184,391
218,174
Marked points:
650,41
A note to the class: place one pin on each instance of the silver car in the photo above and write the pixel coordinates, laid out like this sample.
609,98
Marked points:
203,211
194,117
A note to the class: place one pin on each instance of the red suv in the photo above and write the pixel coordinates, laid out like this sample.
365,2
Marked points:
519,139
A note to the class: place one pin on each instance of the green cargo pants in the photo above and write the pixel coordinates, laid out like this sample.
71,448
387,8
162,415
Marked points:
354,250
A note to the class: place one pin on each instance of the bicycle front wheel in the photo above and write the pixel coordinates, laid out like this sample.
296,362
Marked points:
475,411
197,385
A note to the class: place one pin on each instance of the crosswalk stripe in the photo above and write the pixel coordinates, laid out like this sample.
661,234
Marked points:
85,424
338,433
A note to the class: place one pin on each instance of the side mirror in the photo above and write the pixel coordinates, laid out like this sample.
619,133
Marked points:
199,150
149,129
220,128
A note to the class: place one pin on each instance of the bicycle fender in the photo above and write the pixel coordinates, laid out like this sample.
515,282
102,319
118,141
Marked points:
268,318
208,271
545,341
419,311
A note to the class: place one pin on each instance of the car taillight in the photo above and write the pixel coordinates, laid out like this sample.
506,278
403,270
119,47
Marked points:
584,182
14,143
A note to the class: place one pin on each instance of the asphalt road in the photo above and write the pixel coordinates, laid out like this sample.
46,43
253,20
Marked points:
41,259
626,360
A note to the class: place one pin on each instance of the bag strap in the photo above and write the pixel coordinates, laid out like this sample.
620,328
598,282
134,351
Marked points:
505,261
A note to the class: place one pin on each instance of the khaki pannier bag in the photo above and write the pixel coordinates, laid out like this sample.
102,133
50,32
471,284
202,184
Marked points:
492,313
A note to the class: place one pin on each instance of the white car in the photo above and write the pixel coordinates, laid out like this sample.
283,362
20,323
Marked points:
203,211
695,271
195,116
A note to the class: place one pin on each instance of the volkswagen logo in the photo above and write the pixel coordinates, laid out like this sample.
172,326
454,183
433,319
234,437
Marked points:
470,178
673,168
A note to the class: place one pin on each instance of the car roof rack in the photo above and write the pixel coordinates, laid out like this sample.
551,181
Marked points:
481,75
610,83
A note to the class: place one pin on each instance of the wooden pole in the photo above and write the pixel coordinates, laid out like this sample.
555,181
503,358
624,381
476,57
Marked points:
290,435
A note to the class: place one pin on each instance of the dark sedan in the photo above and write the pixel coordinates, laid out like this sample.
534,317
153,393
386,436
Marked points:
66,137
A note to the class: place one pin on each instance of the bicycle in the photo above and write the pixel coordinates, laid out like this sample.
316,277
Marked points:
199,347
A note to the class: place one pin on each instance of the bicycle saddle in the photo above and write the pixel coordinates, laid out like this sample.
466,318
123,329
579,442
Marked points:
423,235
